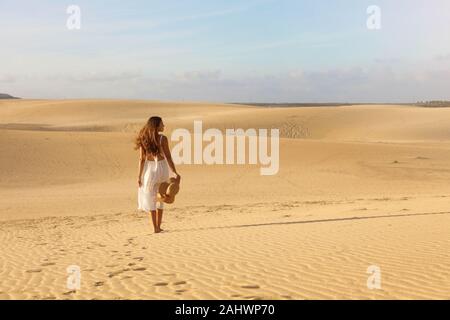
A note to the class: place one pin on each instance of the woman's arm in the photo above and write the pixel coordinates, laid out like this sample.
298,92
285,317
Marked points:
142,158
165,146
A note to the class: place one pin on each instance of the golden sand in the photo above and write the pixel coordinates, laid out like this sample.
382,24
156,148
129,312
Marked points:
357,186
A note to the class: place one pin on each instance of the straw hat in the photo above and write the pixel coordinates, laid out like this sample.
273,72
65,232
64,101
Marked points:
169,189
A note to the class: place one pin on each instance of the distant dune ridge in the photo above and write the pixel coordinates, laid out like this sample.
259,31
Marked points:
7,96
358,186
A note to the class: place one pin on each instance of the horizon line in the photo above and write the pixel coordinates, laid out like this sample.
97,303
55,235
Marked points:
265,103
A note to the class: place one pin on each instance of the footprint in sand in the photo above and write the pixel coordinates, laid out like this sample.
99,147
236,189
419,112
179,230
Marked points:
46,264
160,284
140,269
181,290
250,286
235,295
116,273
179,283
69,292
139,258
99,284
34,270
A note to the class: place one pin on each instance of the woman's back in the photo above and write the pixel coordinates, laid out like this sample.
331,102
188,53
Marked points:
150,157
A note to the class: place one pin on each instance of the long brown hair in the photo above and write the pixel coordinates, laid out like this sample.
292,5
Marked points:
148,136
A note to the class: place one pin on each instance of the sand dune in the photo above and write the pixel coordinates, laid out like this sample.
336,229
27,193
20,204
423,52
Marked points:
357,186
349,123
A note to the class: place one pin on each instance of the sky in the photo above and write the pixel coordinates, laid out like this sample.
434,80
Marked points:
227,50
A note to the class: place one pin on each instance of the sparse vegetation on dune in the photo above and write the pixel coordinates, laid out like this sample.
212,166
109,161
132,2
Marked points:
434,104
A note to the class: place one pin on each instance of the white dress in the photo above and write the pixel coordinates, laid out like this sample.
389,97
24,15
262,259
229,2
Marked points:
155,172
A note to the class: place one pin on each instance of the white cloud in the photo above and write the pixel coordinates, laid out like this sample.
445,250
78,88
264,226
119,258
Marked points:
7,78
442,57
94,76
376,83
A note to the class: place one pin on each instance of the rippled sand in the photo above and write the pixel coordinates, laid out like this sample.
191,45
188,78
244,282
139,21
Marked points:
357,186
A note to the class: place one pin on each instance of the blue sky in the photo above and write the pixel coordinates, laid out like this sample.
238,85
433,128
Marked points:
226,51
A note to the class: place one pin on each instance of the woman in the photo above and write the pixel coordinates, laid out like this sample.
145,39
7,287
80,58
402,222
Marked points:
154,158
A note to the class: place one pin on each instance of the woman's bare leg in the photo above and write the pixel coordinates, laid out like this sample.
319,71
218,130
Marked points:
155,221
160,213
